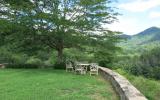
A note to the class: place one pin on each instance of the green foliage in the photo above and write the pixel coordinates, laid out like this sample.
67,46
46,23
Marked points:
146,64
142,42
8,56
149,87
56,25
156,73
34,60
19,3
23,66
107,49
60,66
141,54
74,54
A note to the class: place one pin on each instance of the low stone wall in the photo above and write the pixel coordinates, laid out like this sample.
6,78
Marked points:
124,88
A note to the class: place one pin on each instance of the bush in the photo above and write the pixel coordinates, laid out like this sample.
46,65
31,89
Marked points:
156,73
144,64
104,63
147,71
60,66
26,66
34,61
136,70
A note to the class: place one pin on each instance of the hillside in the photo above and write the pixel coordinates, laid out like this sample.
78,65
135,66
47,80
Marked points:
149,35
125,36
145,40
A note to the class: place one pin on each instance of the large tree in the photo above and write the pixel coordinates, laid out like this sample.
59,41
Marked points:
55,24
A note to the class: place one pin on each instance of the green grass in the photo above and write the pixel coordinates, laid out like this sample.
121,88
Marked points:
149,87
38,84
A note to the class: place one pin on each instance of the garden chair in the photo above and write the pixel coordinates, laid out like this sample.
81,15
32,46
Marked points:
93,69
2,66
69,67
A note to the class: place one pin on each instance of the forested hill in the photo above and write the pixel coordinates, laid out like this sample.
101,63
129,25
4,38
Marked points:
152,33
141,53
144,40
149,31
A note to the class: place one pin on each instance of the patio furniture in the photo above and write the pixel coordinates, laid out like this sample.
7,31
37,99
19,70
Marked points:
69,67
81,68
93,69
2,66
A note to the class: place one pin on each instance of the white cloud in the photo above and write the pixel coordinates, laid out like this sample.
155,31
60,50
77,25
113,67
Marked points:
132,25
128,26
140,5
154,15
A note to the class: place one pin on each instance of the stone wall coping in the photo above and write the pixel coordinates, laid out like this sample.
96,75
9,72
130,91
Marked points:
124,88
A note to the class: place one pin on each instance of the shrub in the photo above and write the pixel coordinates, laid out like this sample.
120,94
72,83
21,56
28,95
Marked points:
104,63
34,61
144,64
136,70
60,66
26,66
156,72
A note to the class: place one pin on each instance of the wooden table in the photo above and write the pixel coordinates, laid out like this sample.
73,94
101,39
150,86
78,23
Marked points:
81,68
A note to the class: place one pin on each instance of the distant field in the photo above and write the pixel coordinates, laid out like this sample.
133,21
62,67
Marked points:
36,84
149,87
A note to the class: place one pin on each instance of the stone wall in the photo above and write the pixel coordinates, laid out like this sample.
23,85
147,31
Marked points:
124,88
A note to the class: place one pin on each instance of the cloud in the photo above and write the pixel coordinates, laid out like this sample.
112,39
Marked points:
153,15
132,25
140,5
128,26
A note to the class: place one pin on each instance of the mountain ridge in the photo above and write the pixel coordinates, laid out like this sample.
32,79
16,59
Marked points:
145,40
148,31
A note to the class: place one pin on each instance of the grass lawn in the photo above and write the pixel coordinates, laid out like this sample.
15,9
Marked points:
43,84
149,87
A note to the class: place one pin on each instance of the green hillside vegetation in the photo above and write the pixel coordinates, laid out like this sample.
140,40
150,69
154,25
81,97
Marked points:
141,54
143,41
139,61
149,87
146,64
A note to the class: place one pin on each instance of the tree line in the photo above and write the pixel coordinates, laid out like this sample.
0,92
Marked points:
146,64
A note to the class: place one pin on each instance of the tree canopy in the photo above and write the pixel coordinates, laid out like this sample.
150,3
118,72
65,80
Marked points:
32,25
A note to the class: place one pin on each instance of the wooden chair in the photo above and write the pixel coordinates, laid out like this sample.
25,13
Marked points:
93,69
69,67
2,66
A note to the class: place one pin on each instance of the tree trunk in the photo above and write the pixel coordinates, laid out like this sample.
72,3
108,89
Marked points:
60,56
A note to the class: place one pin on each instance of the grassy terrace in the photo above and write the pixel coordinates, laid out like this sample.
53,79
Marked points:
38,84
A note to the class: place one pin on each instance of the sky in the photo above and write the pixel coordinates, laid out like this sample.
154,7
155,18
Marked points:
136,15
